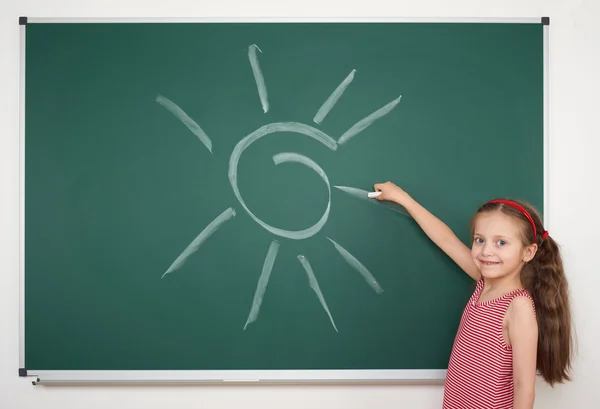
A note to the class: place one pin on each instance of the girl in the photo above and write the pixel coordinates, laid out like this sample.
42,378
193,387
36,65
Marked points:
518,318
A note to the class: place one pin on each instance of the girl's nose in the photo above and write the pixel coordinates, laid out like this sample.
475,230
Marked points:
487,249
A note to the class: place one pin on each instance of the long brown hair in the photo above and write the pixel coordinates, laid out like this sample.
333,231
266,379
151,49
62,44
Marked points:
544,278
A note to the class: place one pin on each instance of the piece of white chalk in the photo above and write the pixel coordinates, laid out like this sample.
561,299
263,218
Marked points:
373,194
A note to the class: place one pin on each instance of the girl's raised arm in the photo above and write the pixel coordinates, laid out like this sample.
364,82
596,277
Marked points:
435,229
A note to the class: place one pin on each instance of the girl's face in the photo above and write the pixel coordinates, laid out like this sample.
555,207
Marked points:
498,249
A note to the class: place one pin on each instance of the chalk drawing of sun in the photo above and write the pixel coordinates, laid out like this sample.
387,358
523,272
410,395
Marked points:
301,129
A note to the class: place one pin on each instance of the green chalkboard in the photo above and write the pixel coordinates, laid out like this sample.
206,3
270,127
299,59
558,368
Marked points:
173,170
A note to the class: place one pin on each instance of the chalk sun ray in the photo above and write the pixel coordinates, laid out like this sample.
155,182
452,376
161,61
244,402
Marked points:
200,239
258,77
314,284
187,121
367,121
261,287
358,266
333,98
363,195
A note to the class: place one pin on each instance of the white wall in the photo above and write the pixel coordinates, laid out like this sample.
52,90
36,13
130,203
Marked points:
573,212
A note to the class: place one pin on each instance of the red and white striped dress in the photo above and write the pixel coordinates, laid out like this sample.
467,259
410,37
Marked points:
480,372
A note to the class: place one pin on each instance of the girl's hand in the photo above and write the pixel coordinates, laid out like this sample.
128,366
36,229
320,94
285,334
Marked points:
391,192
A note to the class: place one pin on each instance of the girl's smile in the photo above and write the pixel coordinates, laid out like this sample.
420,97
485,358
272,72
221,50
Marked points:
489,263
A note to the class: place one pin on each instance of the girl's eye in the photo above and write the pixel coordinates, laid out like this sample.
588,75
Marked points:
478,240
501,242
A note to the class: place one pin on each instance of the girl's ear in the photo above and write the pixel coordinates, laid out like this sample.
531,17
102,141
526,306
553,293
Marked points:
529,252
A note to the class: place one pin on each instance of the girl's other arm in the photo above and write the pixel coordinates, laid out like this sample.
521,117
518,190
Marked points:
523,337
435,229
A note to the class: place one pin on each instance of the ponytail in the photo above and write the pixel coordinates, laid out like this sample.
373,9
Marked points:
545,280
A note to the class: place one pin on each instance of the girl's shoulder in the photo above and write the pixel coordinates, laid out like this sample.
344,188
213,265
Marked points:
521,301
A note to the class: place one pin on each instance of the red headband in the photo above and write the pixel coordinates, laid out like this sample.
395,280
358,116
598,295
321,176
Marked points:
525,212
